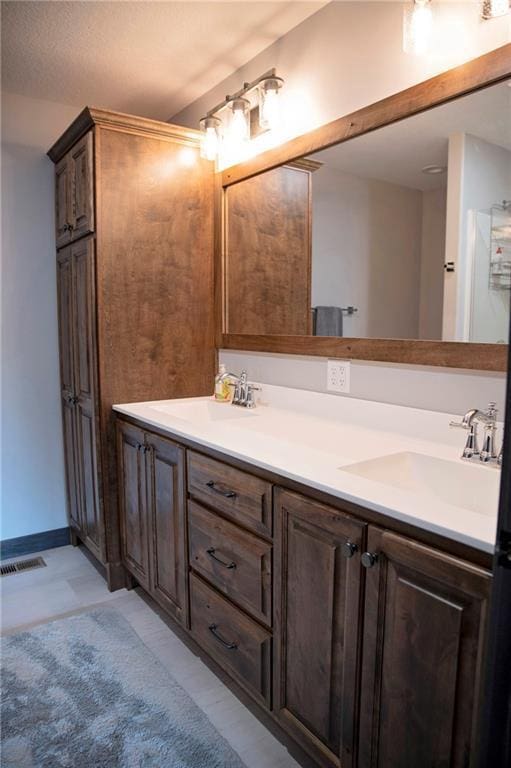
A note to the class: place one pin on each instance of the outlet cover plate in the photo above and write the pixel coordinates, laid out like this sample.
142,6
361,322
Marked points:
338,376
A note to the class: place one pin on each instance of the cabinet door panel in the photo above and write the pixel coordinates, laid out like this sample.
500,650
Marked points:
166,500
89,476
132,501
62,202
424,621
82,199
65,310
317,608
84,367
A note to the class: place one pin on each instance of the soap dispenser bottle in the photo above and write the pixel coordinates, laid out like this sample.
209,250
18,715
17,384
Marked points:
222,385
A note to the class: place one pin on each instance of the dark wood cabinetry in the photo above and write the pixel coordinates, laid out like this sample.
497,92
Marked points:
238,644
165,467
369,654
128,289
133,502
75,277
424,624
74,192
151,499
317,628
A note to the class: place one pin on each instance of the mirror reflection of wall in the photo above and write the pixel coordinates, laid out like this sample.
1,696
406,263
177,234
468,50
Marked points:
403,241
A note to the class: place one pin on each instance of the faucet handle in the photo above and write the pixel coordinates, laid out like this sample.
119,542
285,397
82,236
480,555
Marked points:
458,424
492,410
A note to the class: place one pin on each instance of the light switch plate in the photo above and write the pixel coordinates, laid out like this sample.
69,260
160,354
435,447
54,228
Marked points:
338,376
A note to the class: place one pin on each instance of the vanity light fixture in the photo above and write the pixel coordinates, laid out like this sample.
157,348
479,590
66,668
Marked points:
417,26
242,116
494,8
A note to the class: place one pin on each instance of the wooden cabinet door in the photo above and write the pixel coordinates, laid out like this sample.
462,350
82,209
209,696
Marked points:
62,202
132,501
166,521
66,335
425,615
317,602
85,378
80,160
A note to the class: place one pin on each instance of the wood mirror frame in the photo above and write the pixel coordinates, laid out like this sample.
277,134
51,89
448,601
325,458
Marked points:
479,73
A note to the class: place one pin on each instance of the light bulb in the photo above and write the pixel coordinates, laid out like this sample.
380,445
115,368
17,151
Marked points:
210,137
238,129
417,27
269,105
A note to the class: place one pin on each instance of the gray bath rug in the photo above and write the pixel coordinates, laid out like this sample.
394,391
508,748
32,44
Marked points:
85,692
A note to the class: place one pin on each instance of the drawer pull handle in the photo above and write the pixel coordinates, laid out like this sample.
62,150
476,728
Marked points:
211,552
230,646
227,494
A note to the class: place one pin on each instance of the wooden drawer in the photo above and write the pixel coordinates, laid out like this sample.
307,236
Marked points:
234,641
239,495
234,561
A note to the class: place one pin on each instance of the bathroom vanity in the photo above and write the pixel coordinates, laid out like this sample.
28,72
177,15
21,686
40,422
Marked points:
352,609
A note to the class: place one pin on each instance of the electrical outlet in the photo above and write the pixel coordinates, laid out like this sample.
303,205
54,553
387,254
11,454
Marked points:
338,376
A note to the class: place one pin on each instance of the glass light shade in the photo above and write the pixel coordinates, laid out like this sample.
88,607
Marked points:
269,103
239,124
417,27
210,137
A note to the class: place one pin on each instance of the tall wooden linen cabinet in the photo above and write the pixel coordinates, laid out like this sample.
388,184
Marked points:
134,234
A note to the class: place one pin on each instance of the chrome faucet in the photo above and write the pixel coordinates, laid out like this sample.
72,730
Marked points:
470,422
243,391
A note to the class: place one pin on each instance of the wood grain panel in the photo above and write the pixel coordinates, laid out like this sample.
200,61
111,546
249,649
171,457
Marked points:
133,502
81,172
243,497
317,606
237,643
234,561
62,203
165,467
447,354
84,350
268,254
425,616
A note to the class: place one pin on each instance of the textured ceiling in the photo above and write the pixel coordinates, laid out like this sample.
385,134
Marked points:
148,58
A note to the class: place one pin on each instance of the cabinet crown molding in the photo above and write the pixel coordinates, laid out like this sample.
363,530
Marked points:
105,118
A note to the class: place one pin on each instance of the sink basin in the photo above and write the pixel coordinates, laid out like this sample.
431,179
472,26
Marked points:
203,411
464,485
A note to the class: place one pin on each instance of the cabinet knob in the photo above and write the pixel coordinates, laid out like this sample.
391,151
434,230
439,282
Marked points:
369,559
349,549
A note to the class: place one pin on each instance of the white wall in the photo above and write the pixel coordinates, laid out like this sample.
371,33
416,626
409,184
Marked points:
33,493
432,263
479,176
435,389
342,58
366,250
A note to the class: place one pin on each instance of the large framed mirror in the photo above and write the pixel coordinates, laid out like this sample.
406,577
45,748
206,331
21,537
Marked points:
385,235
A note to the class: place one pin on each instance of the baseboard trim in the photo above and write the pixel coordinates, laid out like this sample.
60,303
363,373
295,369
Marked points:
35,542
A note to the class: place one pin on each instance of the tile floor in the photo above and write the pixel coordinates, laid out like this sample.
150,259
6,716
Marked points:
70,584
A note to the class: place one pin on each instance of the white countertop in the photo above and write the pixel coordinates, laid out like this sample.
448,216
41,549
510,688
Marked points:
309,437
